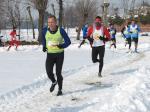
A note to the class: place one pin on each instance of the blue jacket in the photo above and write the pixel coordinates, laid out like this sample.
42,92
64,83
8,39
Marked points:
135,33
66,43
113,32
126,32
84,29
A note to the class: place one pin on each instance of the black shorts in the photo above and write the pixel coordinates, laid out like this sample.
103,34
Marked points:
135,40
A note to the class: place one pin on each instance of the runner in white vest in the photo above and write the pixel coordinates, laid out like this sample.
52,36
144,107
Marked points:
126,34
97,35
134,31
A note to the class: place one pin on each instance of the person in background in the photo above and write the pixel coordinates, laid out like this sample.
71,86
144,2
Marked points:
112,31
54,41
84,30
97,35
1,43
13,40
134,31
126,34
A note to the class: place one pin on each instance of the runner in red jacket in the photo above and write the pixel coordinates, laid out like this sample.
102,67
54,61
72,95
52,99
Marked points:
98,35
13,40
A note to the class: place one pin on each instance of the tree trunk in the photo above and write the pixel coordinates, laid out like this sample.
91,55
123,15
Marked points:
53,9
60,13
19,27
78,33
32,23
40,26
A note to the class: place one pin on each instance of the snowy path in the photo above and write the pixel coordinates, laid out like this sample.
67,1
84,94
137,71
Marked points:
85,92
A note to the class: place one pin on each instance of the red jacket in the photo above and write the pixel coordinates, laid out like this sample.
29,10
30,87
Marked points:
105,31
13,35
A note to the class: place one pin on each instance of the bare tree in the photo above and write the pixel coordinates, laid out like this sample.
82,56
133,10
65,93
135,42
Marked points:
1,13
10,12
131,8
84,9
60,12
1,6
128,6
41,6
53,8
116,11
13,13
17,16
31,20
70,18
124,4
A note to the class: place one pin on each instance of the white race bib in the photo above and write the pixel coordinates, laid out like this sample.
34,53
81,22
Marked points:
50,43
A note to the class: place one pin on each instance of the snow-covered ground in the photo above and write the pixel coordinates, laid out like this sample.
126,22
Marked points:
124,87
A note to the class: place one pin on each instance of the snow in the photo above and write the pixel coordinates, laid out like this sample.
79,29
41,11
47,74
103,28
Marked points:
124,87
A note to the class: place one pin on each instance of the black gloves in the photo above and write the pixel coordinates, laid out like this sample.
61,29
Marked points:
59,46
44,49
103,38
131,32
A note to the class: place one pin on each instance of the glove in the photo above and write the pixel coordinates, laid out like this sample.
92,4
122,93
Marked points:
44,49
101,38
131,32
59,46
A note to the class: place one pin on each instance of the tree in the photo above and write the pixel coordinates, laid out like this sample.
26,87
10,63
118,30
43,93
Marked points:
60,2
12,13
84,9
17,14
117,20
116,11
125,7
145,19
1,13
129,7
31,20
53,8
41,6
70,16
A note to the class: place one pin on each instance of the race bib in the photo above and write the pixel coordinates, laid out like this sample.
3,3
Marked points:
50,43
96,36
112,32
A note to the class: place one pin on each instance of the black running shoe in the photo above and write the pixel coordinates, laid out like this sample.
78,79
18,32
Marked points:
99,74
59,93
53,86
